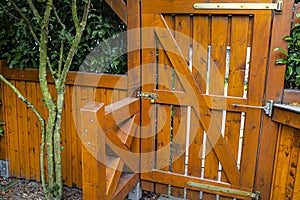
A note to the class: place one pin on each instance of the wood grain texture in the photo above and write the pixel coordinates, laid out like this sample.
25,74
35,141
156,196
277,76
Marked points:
119,7
24,128
274,91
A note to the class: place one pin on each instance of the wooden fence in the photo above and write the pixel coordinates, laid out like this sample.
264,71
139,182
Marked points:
286,176
21,142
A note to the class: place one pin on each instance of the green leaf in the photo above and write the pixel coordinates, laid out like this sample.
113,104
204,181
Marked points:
287,38
281,61
282,51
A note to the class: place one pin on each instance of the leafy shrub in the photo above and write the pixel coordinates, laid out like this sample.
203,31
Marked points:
292,60
20,49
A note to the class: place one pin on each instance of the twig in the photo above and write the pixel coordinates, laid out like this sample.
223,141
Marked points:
34,10
58,18
26,20
79,30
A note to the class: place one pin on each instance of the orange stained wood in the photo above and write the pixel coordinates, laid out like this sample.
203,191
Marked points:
177,59
119,7
274,91
287,117
148,111
93,152
74,98
285,177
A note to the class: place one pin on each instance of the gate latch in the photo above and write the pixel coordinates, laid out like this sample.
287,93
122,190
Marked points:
148,95
268,108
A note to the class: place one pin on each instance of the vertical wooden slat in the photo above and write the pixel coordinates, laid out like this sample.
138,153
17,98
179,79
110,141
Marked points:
199,70
76,98
283,158
183,38
216,86
23,131
133,43
12,131
33,138
148,111
238,49
296,194
258,63
164,114
67,143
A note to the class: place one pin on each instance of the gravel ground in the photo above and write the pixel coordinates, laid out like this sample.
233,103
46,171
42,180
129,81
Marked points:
31,190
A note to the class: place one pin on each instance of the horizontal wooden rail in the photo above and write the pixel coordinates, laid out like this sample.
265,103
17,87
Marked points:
73,78
119,111
287,115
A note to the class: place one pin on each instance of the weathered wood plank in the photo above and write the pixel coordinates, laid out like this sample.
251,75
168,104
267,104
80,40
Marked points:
182,35
134,45
22,131
258,66
179,7
181,181
148,111
126,184
216,86
11,131
93,151
119,7
286,117
273,91
73,78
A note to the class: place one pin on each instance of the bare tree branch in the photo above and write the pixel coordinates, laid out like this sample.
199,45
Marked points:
34,10
42,121
74,14
58,18
10,14
79,30
26,20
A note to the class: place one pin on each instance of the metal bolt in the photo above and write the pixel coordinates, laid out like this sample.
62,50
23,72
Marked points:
85,130
89,143
91,121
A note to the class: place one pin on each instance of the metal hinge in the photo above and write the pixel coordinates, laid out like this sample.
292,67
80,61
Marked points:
148,95
241,6
268,108
226,190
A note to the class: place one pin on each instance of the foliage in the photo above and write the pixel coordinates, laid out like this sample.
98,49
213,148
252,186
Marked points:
1,129
56,37
292,60
21,50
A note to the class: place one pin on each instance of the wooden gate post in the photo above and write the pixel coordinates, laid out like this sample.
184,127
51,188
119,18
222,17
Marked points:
93,151
274,89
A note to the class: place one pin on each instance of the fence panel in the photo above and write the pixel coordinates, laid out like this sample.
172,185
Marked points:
21,142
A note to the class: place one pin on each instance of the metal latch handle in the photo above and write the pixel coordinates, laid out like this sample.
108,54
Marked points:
148,95
268,108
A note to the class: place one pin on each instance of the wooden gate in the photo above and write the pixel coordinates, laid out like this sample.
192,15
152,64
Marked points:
204,71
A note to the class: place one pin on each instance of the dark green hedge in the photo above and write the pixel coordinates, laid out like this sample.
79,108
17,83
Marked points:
19,48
